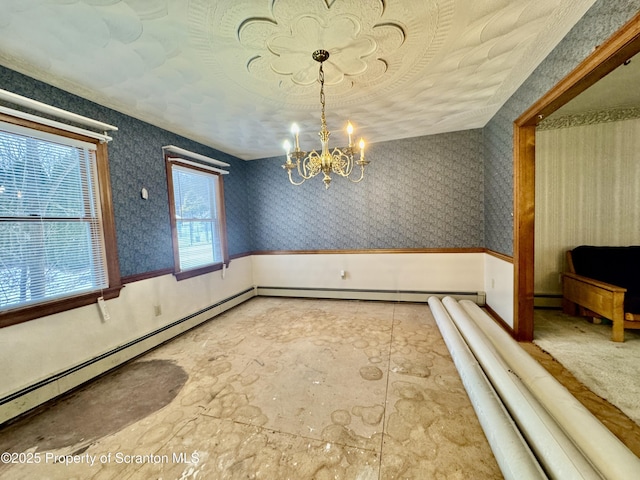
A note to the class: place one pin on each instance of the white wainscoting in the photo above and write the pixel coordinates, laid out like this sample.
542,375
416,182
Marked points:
498,279
405,274
43,358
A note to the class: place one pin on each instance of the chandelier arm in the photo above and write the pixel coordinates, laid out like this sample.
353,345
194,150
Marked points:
309,170
296,183
302,171
361,175
303,175
340,159
349,167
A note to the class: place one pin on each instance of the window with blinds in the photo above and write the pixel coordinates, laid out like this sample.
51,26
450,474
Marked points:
198,221
51,235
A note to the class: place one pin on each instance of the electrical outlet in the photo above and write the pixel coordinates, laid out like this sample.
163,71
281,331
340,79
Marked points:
157,310
493,283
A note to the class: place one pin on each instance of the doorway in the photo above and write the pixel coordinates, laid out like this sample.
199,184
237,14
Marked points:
621,46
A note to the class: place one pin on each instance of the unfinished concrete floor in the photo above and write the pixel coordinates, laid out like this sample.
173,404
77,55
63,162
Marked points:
273,389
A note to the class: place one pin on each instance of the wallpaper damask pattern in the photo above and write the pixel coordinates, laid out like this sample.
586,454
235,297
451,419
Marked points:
424,192
418,193
441,191
135,160
598,24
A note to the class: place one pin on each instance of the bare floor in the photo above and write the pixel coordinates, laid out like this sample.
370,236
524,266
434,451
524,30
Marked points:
273,389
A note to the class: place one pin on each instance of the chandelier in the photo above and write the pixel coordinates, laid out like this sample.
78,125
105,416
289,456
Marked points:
339,160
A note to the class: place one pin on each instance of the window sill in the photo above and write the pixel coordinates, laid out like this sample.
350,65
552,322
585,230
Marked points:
31,312
184,274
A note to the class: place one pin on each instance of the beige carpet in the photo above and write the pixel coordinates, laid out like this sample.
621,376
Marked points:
609,369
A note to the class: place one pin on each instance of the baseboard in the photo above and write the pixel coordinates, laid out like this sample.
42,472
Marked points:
500,321
547,301
364,294
26,399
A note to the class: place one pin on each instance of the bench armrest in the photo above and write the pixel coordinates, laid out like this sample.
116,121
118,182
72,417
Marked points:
595,283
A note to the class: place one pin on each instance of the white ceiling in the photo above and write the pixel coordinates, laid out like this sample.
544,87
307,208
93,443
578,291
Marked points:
234,74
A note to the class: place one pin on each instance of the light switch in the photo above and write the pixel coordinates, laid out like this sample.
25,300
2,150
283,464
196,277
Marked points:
144,193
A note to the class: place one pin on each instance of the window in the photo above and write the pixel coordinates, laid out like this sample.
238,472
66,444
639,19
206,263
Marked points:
197,218
53,247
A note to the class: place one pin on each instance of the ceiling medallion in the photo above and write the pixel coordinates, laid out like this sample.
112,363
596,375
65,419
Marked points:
339,160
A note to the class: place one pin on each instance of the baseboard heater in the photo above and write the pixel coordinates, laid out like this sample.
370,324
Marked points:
545,300
418,296
51,387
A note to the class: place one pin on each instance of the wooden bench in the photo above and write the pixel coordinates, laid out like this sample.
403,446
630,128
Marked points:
603,282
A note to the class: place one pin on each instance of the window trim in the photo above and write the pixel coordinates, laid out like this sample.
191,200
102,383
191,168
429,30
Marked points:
170,161
31,312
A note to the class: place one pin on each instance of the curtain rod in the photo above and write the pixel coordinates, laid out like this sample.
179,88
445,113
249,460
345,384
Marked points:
196,156
54,111
53,123
179,160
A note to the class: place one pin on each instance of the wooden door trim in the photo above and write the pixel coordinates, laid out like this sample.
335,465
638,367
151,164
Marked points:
620,47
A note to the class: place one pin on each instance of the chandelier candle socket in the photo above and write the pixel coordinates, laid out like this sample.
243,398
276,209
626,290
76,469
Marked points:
339,160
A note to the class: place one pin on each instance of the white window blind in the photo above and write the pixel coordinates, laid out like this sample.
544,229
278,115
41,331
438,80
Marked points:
197,223
51,241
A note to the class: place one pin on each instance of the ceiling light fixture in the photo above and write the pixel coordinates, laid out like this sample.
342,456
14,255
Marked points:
339,160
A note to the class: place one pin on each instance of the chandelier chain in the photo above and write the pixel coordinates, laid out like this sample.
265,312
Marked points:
321,78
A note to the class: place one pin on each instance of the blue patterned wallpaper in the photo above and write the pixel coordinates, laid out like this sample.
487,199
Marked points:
418,193
135,159
598,24
424,192
442,191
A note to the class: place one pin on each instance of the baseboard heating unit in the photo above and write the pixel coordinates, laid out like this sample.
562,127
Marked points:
53,386
417,296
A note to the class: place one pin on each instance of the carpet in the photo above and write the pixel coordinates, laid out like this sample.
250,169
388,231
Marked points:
609,369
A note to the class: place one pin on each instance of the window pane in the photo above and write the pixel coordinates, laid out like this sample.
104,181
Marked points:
48,260
198,244
39,178
51,241
194,195
197,225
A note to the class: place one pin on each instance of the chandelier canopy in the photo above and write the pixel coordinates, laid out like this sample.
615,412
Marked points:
339,160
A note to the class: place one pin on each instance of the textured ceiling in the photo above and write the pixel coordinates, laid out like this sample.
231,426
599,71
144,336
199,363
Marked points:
234,74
